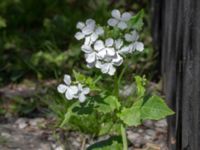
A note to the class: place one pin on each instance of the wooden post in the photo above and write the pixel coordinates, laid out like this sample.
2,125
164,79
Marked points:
176,32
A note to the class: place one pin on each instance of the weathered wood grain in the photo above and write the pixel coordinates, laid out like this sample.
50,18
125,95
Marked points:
176,32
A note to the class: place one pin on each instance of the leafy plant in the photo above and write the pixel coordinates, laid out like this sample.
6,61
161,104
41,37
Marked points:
104,111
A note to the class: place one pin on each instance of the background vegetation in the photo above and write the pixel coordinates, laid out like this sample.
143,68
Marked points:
37,47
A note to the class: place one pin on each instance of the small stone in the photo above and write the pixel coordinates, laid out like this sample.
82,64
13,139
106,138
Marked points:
133,136
161,123
150,132
140,131
148,124
35,122
147,137
21,122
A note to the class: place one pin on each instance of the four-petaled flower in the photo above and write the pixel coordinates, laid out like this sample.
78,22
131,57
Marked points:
89,31
119,20
72,91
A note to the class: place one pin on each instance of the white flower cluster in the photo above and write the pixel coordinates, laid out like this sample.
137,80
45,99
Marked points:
73,91
107,54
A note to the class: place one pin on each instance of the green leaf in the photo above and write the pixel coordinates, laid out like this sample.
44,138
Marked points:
132,116
155,109
137,20
140,82
112,143
109,127
2,22
108,104
68,114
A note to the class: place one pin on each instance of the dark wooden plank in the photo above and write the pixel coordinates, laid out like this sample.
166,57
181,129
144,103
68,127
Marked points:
177,36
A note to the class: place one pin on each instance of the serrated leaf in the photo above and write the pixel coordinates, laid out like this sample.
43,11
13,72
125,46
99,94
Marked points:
136,21
112,143
132,116
108,104
155,109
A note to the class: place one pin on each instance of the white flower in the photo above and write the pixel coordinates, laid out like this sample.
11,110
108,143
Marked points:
104,49
89,31
107,66
119,20
82,92
139,46
90,54
69,90
135,45
131,37
73,91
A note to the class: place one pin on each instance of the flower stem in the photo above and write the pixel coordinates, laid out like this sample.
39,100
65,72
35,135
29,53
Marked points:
116,86
124,138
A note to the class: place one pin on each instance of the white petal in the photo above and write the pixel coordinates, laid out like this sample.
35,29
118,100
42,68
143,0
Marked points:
110,51
124,50
112,70
128,37
79,35
86,90
86,48
90,22
98,64
99,45
87,30
73,89
99,31
113,22
82,98
126,16
69,95
132,47
116,14
93,37
90,58
135,35
80,25
118,43
105,68
139,46
67,79
61,88
88,41
122,25
101,54
109,42
118,60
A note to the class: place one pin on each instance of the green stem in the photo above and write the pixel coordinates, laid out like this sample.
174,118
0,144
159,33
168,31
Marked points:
124,138
116,86
122,73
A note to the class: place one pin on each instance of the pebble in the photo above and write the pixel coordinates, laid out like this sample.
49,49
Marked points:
161,123
148,124
21,122
151,132
35,122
